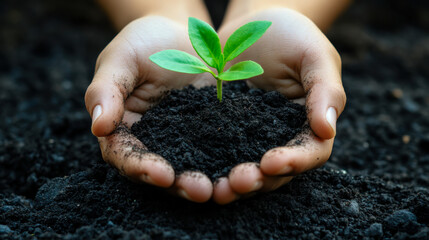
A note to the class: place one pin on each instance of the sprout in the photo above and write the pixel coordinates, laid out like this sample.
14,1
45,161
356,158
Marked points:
206,43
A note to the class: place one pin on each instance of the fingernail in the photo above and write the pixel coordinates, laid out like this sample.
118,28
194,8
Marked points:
286,170
146,178
331,117
96,113
256,186
183,194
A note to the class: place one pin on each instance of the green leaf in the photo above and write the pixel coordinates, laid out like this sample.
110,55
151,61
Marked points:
243,38
205,41
179,61
242,70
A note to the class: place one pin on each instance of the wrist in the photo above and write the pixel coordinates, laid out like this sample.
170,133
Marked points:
124,11
240,8
176,10
321,12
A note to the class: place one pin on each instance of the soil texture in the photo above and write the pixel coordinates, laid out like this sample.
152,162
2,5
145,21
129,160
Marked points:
194,131
55,185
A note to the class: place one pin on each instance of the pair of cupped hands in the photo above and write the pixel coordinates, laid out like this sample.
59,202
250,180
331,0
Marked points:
298,60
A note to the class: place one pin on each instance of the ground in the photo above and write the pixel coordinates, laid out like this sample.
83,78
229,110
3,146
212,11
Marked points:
54,184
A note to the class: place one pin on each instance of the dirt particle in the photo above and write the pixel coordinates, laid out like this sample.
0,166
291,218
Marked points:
406,139
397,93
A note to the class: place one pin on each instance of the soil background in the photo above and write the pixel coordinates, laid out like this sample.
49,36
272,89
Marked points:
54,184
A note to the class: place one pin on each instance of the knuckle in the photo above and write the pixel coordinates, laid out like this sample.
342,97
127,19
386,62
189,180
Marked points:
295,165
311,55
90,93
99,59
335,55
88,96
130,167
340,97
130,170
337,58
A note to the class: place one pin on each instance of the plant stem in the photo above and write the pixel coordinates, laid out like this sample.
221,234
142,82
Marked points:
219,89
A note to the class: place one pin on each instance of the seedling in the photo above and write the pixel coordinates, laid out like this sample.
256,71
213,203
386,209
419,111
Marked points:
206,43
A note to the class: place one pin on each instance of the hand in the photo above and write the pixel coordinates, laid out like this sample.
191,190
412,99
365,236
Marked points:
125,85
301,63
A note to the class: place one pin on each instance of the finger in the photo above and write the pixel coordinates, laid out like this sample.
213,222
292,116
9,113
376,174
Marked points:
306,152
125,152
321,79
248,178
193,186
273,183
245,178
115,78
130,118
223,193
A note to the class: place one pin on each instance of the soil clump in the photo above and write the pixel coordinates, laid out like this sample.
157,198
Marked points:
194,131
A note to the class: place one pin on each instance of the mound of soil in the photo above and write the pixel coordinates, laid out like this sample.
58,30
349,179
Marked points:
55,185
194,131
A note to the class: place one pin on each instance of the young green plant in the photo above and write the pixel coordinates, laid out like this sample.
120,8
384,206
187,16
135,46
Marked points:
206,43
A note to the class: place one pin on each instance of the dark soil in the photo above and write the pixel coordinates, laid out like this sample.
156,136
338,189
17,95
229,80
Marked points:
194,131
54,184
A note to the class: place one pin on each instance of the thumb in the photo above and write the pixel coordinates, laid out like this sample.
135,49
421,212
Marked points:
113,81
326,99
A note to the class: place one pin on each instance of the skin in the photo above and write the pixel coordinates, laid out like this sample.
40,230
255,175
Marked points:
298,61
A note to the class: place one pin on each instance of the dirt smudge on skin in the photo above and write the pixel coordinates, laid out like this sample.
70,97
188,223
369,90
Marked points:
124,87
302,138
121,147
